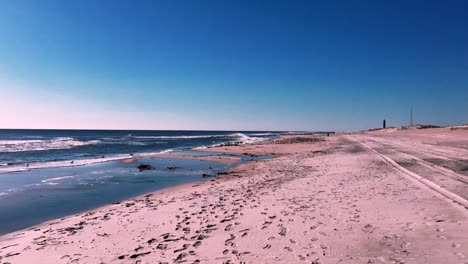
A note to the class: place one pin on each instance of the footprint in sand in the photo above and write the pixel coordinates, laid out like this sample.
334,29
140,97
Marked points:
162,246
282,230
196,244
229,241
454,245
405,244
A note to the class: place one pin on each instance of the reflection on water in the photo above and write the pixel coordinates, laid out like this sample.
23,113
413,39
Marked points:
31,197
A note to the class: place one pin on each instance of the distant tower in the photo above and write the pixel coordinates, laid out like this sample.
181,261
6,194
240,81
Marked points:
411,116
384,124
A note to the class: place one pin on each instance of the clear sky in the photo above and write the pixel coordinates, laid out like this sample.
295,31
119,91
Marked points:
240,65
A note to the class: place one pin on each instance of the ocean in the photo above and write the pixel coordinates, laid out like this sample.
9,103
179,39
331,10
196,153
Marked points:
30,149
47,174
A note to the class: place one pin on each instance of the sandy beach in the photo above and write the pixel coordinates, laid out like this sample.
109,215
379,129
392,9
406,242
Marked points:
388,196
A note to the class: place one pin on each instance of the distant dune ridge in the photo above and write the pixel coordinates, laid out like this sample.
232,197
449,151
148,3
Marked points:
458,127
296,140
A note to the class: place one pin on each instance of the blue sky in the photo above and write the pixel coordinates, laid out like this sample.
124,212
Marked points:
240,65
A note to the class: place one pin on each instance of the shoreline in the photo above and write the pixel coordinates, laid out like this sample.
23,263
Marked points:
159,144
307,204
227,160
130,158
89,187
236,161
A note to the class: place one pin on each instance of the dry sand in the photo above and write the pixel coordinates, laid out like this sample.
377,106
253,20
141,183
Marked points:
266,148
328,202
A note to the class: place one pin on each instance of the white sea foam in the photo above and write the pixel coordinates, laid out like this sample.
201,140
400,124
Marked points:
239,139
56,164
179,137
134,143
201,147
3,193
35,144
51,183
262,134
201,136
298,132
67,142
70,163
149,154
57,179
244,139
166,151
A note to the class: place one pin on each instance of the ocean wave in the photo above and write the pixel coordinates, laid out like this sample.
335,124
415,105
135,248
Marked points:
297,132
84,158
201,147
58,164
57,179
6,168
241,139
149,154
245,139
37,145
166,151
190,136
136,143
179,137
51,183
262,134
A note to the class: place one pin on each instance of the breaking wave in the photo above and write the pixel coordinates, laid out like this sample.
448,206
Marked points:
37,145
58,164
239,139
178,137
57,179
108,147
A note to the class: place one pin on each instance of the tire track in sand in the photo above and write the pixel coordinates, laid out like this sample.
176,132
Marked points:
419,179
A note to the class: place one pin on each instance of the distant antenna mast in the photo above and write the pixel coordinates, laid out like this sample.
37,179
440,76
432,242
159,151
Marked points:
411,116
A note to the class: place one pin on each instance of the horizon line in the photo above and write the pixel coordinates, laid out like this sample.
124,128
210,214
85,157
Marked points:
114,129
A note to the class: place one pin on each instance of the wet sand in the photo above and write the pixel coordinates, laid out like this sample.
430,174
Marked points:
336,201
215,158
